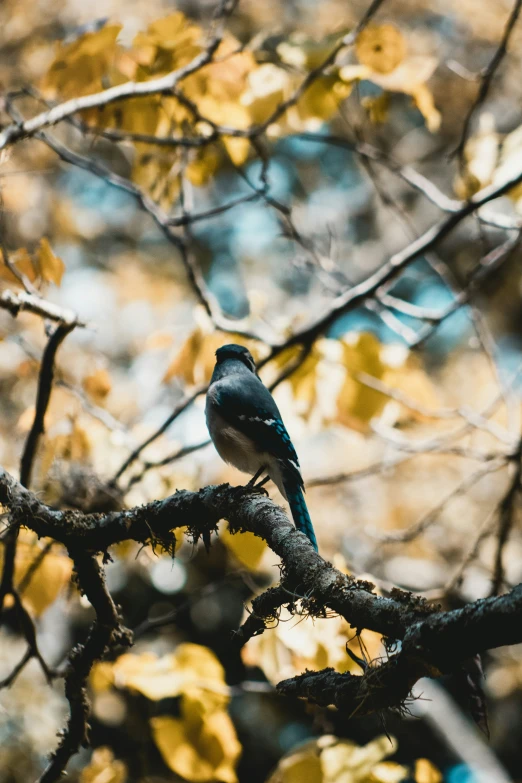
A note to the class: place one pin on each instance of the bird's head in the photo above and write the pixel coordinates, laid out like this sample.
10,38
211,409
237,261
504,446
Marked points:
236,352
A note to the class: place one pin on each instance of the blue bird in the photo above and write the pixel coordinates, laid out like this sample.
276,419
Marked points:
248,432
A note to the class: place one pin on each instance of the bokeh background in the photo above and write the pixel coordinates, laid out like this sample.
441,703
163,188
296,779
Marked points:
403,424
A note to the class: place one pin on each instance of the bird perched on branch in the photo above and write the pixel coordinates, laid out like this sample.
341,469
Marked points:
248,432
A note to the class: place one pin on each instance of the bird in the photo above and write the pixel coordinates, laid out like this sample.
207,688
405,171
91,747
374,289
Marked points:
247,430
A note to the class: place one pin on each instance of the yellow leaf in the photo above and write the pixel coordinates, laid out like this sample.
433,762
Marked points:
510,163
356,404
191,670
226,112
423,100
104,768
388,772
426,772
50,577
98,384
168,43
301,766
248,548
481,156
201,752
381,47
51,267
79,67
267,87
346,761
291,647
332,760
102,677
321,101
183,364
195,360
226,77
353,73
23,263
204,164
409,78
158,174
301,51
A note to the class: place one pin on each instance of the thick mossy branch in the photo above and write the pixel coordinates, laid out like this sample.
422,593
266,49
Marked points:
433,642
305,571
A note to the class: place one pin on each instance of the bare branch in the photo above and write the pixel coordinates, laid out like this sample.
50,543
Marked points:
487,78
45,382
22,301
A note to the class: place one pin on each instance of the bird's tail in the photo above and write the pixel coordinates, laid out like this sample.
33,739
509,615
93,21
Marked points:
299,511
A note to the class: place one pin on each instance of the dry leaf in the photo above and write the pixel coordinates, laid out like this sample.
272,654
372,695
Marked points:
191,670
293,646
104,768
381,47
357,404
79,67
50,266
50,577
332,760
426,772
23,262
246,547
202,751
98,385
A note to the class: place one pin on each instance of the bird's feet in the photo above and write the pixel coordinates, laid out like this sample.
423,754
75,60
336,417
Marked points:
252,488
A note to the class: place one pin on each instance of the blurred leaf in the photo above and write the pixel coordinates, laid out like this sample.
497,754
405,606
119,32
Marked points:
480,158
381,47
293,646
357,404
168,43
267,87
246,547
332,760
426,772
381,51
319,102
509,164
97,385
203,165
71,446
301,51
51,267
23,262
191,670
51,574
183,364
104,768
194,361
78,67
198,750
300,766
